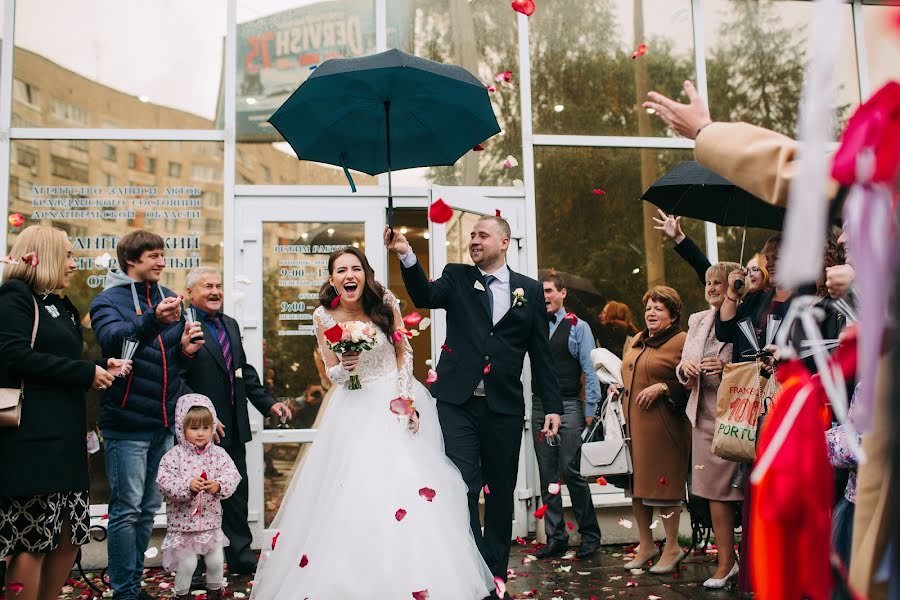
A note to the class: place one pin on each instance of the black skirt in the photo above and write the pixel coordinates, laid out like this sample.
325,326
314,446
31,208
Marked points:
34,523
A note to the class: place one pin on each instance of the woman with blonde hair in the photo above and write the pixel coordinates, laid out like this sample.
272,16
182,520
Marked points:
700,371
653,402
44,489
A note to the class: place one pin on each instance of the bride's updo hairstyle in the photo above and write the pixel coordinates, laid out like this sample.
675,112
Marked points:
381,314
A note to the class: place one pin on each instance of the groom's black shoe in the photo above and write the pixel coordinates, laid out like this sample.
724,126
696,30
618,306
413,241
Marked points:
554,548
587,549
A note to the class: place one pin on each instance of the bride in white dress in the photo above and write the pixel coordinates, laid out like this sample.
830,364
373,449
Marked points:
376,509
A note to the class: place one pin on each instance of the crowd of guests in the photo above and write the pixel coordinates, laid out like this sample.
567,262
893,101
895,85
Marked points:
187,378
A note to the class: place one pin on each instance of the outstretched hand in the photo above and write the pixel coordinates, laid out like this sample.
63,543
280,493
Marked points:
683,119
669,225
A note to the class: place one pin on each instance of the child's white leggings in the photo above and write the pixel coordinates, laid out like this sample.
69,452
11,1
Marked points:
215,571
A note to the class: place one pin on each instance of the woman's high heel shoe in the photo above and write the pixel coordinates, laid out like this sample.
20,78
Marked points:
719,584
658,569
639,564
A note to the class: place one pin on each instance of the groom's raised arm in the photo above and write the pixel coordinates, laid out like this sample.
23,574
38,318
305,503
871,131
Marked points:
543,374
424,293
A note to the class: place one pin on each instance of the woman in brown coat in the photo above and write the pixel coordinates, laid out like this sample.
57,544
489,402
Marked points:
653,402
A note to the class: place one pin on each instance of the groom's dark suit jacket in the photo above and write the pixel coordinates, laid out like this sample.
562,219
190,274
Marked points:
473,341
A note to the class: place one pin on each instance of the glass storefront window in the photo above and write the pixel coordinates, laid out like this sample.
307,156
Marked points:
882,44
281,463
608,240
483,38
279,43
756,57
584,80
91,190
79,64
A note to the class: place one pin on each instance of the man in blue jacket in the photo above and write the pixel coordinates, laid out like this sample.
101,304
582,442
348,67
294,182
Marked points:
137,414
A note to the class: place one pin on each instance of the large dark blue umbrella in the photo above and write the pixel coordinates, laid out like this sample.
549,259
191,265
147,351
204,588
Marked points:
386,111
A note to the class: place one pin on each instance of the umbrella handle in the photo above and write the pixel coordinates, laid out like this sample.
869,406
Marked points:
347,174
390,206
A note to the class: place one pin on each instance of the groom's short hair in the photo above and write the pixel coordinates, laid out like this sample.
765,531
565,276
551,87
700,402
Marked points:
501,223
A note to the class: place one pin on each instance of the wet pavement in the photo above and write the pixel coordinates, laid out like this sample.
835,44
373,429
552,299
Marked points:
565,578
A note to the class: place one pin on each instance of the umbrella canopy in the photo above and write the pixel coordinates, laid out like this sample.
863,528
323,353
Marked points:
690,190
386,111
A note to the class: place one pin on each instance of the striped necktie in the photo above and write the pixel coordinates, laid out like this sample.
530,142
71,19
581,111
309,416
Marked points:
225,345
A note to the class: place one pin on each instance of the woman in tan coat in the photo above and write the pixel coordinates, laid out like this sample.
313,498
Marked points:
653,402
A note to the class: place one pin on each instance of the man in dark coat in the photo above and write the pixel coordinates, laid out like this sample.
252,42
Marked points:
219,370
494,316
137,413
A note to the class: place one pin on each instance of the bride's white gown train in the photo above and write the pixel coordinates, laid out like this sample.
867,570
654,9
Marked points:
356,521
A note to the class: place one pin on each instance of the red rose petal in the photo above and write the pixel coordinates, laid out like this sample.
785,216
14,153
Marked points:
526,7
16,220
104,518
487,369
432,376
402,407
446,348
641,50
399,514
601,481
491,89
539,513
412,319
275,539
204,476
572,317
478,148
304,560
427,493
421,595
662,481
570,525
15,587
334,303
439,212
487,490
599,192
497,212
521,541
334,334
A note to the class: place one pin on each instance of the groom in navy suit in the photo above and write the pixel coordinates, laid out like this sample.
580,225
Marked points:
494,316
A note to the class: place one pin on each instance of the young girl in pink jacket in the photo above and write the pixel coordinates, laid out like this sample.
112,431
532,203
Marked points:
194,476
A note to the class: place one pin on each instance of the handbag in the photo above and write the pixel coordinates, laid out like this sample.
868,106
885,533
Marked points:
610,455
11,398
742,399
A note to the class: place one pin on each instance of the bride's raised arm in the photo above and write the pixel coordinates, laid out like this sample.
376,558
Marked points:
334,368
402,348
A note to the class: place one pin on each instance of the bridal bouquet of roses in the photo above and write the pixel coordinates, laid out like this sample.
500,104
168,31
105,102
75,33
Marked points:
351,336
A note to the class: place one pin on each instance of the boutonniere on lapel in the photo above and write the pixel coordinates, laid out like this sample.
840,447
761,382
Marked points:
478,286
519,298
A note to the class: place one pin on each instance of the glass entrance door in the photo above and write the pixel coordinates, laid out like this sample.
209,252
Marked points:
281,261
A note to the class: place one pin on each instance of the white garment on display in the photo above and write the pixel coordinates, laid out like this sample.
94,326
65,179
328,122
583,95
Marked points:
355,509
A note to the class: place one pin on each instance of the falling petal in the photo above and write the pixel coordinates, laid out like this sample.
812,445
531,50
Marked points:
304,560
651,111
497,212
631,583
399,514
641,50
487,369
439,212
427,493
424,323
500,586
571,317
402,407
104,518
662,481
553,489
668,516
420,595
275,539
487,491
625,523
518,183
334,303
478,148
570,525
539,513
294,368
413,333
654,524
601,481
412,319
16,220
103,261
491,89
15,587
243,280
431,377
526,7
510,162
446,348
151,552
599,192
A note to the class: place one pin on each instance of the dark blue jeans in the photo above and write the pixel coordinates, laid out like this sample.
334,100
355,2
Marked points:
131,467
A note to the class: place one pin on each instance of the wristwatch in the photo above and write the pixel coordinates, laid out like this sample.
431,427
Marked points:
665,387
